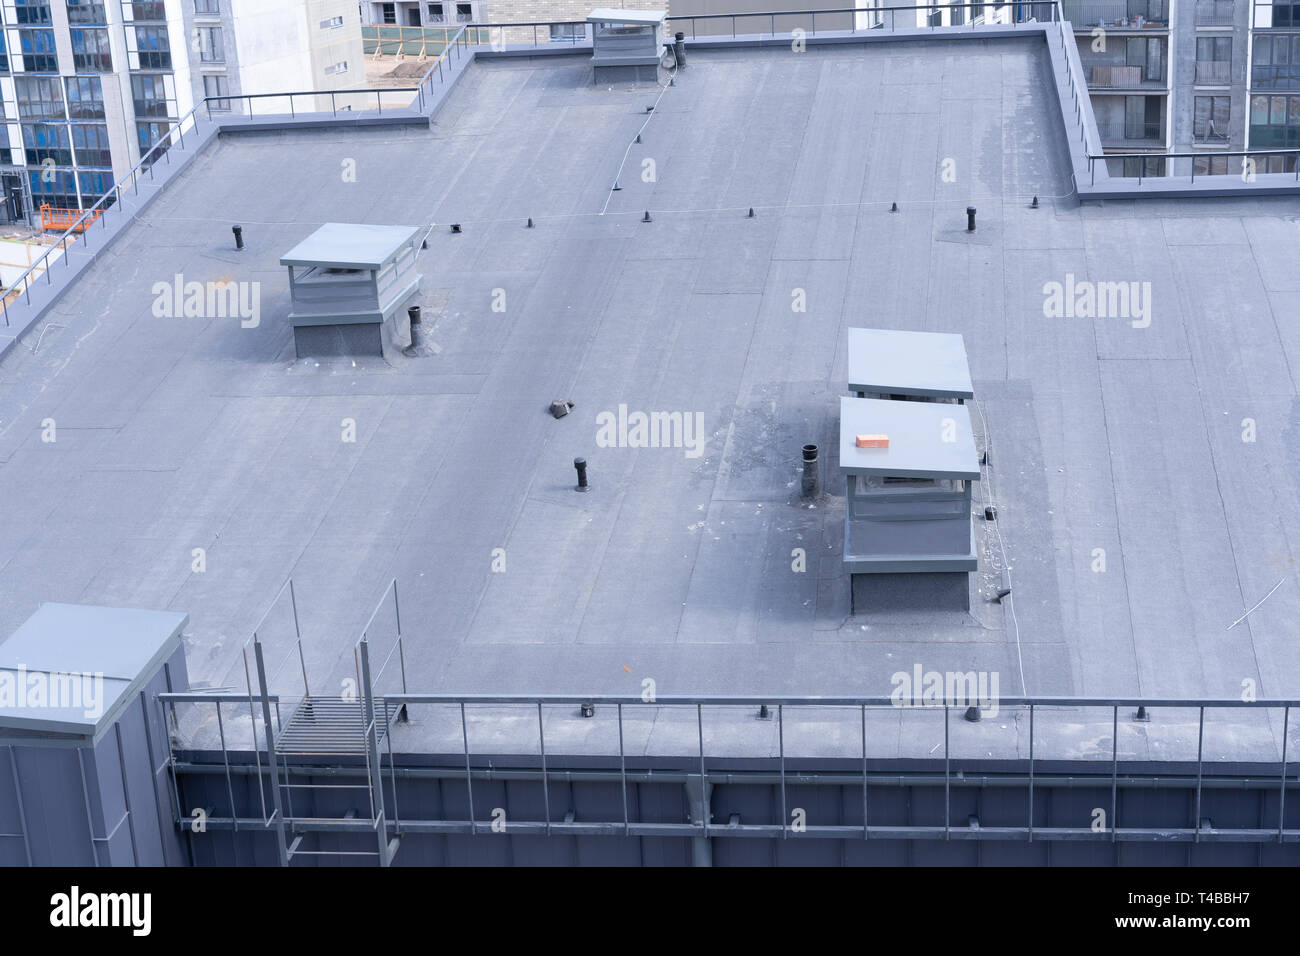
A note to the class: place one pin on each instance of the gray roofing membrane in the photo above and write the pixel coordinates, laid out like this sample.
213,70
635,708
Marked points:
1143,472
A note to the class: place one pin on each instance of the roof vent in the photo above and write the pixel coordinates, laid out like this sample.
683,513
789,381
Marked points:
348,284
625,44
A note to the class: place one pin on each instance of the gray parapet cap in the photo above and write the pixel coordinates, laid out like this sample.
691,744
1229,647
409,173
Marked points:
916,364
926,439
45,664
338,245
610,15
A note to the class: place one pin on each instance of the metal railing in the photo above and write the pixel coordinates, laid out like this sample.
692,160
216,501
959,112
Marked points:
1116,14
888,18
1214,13
1249,171
1213,72
678,723
409,41
1125,131
1107,76
80,231
1026,769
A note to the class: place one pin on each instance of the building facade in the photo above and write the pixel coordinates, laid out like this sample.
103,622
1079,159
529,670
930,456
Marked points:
1207,77
88,87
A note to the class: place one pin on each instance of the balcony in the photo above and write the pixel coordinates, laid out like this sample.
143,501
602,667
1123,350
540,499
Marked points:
1214,13
1132,134
1208,134
1103,77
1115,15
1213,73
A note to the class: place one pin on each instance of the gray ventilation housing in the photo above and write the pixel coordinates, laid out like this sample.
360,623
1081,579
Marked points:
625,44
348,284
83,741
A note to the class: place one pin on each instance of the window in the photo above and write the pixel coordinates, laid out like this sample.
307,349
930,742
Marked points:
333,23
39,97
44,142
32,11
4,54
39,55
90,51
340,67
1213,60
1210,119
211,47
389,12
1142,118
58,188
436,14
207,6
145,10
151,138
94,184
153,49
1276,62
1277,13
151,95
1212,165
464,13
215,87
1147,53
1274,122
90,145
86,11
85,97
568,32
1144,166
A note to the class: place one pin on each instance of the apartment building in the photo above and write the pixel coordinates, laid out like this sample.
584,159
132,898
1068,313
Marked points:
1206,77
422,13
87,87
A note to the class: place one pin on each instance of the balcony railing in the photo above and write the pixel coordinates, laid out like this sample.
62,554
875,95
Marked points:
1126,132
1214,13
1105,77
1213,72
1116,14
1209,134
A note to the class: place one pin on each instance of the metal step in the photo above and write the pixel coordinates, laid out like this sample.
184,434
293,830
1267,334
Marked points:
331,725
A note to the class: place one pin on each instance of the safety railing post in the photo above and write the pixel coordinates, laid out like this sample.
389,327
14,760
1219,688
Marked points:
546,789
1114,772
947,778
1200,763
1031,773
1281,793
281,844
865,828
780,737
622,772
469,779
225,759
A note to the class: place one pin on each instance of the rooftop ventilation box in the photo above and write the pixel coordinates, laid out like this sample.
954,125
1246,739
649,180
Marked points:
348,284
626,45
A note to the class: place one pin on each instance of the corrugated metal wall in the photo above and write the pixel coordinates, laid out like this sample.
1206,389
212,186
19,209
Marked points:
998,803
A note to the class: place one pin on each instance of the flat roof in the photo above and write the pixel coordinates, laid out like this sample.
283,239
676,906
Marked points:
902,362
926,439
1112,445
341,245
